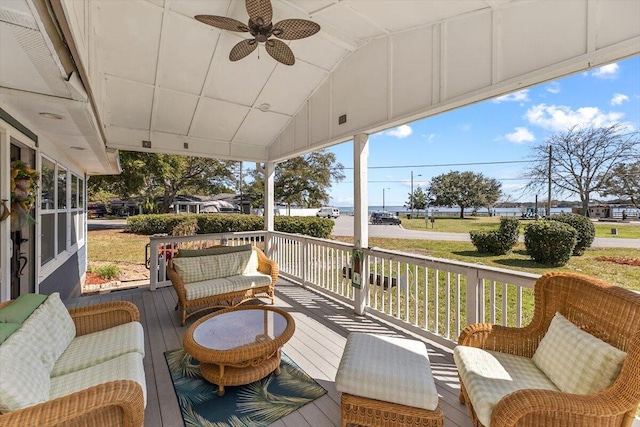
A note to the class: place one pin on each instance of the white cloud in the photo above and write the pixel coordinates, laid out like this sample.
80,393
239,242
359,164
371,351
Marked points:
400,132
465,127
618,99
609,71
553,87
520,135
561,118
519,96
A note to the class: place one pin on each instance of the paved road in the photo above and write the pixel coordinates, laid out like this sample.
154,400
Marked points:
344,227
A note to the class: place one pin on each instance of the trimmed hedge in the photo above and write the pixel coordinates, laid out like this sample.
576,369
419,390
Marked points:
550,242
583,225
226,223
497,242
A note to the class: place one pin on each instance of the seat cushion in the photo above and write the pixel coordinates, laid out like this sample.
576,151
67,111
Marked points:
126,367
207,288
91,349
488,376
576,361
247,281
390,369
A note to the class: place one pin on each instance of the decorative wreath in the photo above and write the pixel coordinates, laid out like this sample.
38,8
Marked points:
24,190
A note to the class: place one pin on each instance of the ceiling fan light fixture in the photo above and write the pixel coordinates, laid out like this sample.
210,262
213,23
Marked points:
264,107
261,27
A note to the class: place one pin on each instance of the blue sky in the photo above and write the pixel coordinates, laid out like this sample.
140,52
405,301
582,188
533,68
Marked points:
502,129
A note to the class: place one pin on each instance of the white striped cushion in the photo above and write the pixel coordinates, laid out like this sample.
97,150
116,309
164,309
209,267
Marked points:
91,349
126,367
252,264
24,377
488,376
390,369
576,361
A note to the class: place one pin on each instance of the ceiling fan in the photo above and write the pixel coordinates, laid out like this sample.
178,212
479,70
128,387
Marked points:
261,28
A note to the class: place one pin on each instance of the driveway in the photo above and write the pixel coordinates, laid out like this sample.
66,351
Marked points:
344,227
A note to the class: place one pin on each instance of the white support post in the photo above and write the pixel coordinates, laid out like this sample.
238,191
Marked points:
269,205
361,213
5,226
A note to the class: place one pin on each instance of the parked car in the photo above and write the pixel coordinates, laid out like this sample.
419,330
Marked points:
96,210
385,218
328,212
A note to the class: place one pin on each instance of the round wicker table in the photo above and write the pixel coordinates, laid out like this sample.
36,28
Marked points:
239,345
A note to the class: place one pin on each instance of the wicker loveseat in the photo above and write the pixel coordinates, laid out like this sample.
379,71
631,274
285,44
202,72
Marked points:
76,367
220,276
568,367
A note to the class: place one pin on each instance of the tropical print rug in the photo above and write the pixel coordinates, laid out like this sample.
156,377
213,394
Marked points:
256,404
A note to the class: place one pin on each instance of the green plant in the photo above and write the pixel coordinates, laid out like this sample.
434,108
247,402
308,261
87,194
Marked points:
550,242
187,227
497,242
226,223
583,225
109,271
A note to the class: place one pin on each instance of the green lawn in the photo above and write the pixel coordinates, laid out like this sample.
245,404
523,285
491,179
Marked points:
457,225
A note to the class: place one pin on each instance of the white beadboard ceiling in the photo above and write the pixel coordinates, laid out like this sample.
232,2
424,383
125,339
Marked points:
156,74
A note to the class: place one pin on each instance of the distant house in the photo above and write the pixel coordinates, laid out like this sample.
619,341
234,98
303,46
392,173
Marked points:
609,211
223,203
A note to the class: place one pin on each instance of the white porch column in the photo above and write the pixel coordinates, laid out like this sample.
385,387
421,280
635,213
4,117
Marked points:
5,226
361,212
269,205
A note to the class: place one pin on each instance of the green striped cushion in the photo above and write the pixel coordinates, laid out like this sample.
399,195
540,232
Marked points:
198,269
6,329
389,369
488,376
24,377
91,349
126,367
576,361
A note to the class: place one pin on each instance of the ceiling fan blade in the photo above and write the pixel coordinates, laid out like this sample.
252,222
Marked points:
294,29
280,51
223,22
260,9
242,49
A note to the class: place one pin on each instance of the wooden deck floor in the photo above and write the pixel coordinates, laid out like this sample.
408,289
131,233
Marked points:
322,326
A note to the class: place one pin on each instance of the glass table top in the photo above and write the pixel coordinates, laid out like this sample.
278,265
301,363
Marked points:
239,328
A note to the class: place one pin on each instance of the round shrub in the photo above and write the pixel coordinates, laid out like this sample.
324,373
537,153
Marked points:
583,225
550,242
497,242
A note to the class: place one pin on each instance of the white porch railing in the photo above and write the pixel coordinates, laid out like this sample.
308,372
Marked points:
435,298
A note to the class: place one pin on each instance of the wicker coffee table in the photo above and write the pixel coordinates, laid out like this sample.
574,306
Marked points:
240,345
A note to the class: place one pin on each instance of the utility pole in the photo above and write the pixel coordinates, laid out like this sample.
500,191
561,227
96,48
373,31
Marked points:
411,196
549,189
383,190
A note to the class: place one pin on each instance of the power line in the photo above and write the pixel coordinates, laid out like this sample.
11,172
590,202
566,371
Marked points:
404,180
447,164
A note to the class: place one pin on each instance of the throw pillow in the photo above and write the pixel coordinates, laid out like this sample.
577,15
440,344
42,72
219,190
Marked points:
576,361
21,308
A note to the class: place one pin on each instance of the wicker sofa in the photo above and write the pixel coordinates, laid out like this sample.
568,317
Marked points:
220,276
82,366
576,363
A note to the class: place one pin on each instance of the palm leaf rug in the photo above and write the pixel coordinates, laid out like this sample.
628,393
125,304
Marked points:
257,404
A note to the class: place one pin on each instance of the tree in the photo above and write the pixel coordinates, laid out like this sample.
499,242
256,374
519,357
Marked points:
583,159
420,199
301,181
465,189
149,175
624,182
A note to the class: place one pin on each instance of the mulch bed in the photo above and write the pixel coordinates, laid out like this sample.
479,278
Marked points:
93,279
621,261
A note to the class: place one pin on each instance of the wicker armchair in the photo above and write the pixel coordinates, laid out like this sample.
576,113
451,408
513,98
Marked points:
116,403
606,312
229,299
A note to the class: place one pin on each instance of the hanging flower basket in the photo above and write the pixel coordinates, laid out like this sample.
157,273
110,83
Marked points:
24,190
